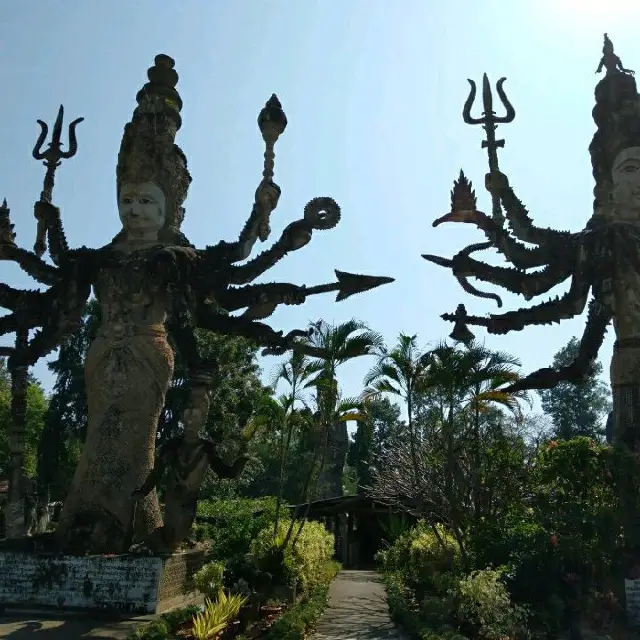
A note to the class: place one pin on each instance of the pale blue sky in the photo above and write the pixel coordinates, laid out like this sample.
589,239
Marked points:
373,90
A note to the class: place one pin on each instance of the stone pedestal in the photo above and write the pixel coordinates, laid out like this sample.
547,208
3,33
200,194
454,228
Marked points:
122,585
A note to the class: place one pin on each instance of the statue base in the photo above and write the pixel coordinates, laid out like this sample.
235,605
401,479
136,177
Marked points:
123,585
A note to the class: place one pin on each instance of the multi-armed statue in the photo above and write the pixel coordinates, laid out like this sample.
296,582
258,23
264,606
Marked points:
604,258
150,281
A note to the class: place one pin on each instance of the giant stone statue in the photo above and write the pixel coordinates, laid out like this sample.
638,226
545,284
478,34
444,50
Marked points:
150,281
602,260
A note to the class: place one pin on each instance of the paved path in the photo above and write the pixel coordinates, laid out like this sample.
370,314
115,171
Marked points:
357,610
34,627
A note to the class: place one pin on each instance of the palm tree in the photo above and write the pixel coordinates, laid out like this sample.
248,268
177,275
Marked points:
401,372
295,372
339,344
473,380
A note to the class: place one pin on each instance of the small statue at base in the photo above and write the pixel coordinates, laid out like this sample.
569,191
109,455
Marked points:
187,457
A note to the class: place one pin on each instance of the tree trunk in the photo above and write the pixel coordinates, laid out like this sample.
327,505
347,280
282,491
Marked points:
337,448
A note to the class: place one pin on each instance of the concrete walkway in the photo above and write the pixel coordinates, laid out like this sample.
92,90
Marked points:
357,610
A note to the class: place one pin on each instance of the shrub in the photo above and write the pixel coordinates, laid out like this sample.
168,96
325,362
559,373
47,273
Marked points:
302,563
216,616
428,620
425,560
164,627
484,605
237,522
302,616
209,579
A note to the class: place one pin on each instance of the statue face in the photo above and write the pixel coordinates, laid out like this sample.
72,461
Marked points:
195,414
142,207
626,181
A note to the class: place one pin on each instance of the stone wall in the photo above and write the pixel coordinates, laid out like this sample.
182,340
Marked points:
177,577
123,585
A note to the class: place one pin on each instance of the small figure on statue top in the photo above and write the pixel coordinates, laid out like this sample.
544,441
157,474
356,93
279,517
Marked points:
187,458
610,61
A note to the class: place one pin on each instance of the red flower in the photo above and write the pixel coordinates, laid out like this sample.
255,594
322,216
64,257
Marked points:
554,541
552,445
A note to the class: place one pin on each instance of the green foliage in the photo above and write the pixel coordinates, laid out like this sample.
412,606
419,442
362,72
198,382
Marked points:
421,555
237,523
209,579
379,425
427,619
484,604
577,410
37,405
66,419
217,615
164,627
302,562
301,617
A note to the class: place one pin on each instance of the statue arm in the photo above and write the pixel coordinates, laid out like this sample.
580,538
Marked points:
29,262
517,281
163,459
551,311
598,319
518,217
319,214
221,468
276,342
50,217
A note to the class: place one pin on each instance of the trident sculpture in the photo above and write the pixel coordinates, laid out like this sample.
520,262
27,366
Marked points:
463,199
52,160
489,123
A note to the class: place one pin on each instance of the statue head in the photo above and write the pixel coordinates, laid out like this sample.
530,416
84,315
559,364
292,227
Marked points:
148,153
196,413
142,208
625,181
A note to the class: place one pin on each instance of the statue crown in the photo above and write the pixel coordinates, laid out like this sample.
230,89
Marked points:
148,152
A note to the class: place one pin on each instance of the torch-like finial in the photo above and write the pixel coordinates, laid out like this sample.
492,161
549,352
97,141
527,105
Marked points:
272,120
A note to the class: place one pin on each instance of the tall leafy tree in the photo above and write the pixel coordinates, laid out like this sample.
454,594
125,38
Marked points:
66,419
34,421
401,371
577,410
341,343
379,426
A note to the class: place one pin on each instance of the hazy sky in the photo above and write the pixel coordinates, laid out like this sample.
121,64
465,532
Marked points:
373,90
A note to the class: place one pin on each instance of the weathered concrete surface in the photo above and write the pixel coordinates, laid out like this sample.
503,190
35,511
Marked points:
357,610
58,628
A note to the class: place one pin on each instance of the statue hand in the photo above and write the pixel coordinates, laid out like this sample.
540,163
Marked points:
45,211
297,234
496,182
268,194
